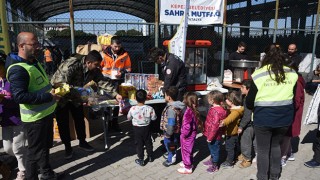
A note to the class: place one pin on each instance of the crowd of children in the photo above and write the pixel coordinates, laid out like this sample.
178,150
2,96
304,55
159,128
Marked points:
227,121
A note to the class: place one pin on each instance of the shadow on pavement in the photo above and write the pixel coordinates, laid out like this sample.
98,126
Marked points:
108,157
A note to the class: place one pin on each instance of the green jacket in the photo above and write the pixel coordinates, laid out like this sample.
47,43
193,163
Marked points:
74,72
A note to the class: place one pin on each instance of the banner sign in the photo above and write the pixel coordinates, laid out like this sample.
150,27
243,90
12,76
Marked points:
177,45
201,12
4,35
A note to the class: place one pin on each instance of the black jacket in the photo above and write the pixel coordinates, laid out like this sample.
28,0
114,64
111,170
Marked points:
238,56
19,82
295,58
174,72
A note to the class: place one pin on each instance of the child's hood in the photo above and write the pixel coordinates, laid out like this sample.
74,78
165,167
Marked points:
177,104
239,109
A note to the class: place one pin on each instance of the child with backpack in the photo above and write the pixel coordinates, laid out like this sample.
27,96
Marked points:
170,123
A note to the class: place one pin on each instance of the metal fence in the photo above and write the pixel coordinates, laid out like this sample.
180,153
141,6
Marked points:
139,36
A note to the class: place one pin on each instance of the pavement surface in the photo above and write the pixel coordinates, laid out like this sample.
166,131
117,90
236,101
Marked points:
117,162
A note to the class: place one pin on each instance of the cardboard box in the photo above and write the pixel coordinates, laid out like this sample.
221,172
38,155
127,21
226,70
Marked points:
92,127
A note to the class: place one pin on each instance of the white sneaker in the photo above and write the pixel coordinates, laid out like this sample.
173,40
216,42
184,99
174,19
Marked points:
174,158
20,175
181,164
254,160
283,162
184,171
291,158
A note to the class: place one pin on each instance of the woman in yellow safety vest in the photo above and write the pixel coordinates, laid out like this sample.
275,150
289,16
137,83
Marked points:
271,98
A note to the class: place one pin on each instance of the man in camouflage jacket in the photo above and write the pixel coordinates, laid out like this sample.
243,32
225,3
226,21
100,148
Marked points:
79,71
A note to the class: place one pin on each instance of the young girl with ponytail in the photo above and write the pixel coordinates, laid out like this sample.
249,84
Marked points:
190,124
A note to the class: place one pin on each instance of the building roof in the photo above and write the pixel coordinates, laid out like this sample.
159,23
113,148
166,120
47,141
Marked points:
41,10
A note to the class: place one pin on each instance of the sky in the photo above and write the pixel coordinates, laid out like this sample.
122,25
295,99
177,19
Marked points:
112,16
100,16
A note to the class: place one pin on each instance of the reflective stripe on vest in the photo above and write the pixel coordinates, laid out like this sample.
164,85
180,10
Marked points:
269,92
37,109
38,83
266,73
273,103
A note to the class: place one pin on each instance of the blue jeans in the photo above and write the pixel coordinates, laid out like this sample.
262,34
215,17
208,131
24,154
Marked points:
167,142
214,148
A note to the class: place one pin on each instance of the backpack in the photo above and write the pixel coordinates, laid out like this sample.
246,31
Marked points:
60,75
164,119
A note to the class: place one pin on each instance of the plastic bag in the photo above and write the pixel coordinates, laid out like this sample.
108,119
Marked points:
227,77
85,93
104,39
312,112
213,83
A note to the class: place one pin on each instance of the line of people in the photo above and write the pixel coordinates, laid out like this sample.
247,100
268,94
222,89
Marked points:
274,97
271,114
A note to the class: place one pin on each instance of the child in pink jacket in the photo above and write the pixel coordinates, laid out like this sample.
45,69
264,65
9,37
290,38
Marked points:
188,134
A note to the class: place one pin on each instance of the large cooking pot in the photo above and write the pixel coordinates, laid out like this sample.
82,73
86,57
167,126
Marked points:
244,63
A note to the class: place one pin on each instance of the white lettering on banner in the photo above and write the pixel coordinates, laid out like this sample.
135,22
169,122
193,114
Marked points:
201,12
174,12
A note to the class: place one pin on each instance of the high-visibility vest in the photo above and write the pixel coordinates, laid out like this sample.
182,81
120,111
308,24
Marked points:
38,83
269,92
122,62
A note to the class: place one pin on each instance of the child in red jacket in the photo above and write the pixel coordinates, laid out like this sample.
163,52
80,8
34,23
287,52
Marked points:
211,128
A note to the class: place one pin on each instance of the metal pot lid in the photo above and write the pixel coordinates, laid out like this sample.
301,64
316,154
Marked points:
244,63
